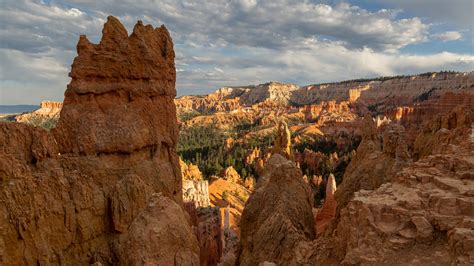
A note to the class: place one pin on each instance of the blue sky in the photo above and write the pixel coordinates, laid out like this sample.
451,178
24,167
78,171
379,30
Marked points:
239,42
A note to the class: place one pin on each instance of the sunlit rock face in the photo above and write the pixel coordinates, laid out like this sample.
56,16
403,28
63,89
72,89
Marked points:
46,116
77,193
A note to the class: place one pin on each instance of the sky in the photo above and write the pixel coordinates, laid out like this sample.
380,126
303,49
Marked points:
240,42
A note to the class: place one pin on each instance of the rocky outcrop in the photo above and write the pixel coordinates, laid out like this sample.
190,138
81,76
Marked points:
277,215
282,144
231,175
206,220
253,155
435,136
311,160
75,193
230,196
159,235
381,153
274,92
190,171
322,103
222,100
330,111
423,217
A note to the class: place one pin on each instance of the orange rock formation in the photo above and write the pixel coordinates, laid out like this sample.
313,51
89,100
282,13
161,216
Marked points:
277,215
328,211
282,143
78,193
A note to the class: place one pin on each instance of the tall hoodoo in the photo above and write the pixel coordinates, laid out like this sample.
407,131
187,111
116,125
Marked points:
283,141
328,211
74,194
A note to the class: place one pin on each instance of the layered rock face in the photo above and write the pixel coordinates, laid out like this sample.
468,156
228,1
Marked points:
273,91
196,192
277,215
76,194
233,98
387,93
224,99
383,95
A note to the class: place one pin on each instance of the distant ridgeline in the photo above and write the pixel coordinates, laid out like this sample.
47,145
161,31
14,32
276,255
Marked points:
17,109
379,94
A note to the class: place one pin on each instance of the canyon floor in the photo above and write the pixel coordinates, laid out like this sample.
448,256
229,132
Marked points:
366,172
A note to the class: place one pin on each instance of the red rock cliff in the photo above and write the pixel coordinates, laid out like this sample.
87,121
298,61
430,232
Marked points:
72,195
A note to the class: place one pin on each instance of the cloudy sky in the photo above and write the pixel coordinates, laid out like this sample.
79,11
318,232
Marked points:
238,42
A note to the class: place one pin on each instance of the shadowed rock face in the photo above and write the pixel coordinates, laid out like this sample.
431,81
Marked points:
277,215
70,195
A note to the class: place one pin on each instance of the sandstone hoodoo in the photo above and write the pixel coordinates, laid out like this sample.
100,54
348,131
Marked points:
86,191
282,144
277,215
328,211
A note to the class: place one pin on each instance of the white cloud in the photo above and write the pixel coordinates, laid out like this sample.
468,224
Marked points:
448,36
220,43
319,62
276,24
29,78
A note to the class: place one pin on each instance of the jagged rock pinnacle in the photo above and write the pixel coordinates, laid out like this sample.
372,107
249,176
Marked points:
283,141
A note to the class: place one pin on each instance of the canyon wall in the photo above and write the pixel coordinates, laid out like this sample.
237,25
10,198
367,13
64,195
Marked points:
389,92
380,95
107,178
